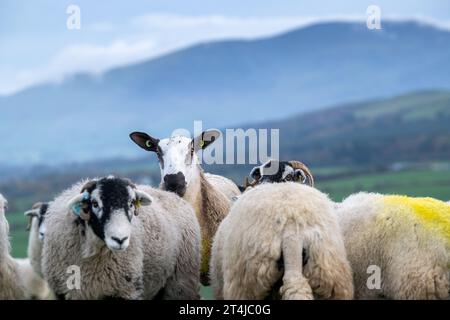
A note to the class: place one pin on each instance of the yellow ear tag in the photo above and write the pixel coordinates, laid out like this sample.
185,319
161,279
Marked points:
202,143
138,204
148,144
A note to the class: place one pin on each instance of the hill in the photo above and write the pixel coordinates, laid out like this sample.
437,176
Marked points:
224,84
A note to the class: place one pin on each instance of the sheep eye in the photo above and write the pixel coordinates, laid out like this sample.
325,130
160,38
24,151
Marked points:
131,204
95,204
288,178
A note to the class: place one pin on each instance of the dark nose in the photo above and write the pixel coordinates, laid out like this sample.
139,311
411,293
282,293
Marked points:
119,241
175,183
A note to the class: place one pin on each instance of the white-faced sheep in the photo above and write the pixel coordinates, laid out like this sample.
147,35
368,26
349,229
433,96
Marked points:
398,246
127,242
280,235
210,195
11,283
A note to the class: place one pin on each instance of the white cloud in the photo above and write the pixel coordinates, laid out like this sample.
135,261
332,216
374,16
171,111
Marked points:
150,35
73,59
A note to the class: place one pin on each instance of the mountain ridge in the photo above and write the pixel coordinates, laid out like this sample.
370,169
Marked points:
224,83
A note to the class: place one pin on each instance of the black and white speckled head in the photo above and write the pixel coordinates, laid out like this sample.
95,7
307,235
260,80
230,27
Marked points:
108,206
287,171
38,213
177,156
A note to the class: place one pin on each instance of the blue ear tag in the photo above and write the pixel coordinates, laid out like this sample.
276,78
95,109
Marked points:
77,207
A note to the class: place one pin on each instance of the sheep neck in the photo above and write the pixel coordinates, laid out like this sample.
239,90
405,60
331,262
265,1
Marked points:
4,241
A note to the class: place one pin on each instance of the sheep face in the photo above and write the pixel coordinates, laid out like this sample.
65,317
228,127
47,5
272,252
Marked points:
37,214
107,206
285,173
177,157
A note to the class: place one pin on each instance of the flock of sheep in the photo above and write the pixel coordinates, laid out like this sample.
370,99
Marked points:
277,237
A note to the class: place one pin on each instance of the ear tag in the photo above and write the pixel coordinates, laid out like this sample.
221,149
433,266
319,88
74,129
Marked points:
86,196
148,144
201,143
138,204
76,209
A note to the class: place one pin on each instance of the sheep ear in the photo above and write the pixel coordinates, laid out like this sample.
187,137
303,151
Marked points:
144,141
206,139
76,205
256,173
32,213
143,198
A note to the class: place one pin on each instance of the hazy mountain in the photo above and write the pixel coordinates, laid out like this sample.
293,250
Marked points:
409,128
223,84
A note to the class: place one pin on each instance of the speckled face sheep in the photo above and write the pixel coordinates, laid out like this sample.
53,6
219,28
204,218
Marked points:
284,171
128,242
181,173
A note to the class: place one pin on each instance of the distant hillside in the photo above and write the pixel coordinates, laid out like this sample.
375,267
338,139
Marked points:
408,128
223,84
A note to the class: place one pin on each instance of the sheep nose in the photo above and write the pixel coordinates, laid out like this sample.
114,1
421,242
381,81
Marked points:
119,241
175,183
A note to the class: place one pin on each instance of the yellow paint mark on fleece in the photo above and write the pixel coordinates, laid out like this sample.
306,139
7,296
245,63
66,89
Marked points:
434,214
206,254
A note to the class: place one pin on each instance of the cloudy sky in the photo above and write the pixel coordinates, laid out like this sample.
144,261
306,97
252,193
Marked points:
36,46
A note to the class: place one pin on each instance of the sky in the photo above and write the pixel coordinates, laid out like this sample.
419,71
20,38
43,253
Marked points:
36,45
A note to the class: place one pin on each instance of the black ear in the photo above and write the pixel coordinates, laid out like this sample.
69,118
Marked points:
256,173
204,140
144,141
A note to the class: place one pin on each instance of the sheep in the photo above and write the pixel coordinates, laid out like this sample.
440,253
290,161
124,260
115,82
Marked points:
11,284
280,234
37,287
210,195
406,239
109,239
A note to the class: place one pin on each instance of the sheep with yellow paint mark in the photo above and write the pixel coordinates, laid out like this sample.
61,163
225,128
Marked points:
408,239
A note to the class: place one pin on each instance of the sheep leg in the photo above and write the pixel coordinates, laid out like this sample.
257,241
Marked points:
295,285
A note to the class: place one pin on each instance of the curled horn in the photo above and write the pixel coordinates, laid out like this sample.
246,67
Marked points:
299,165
